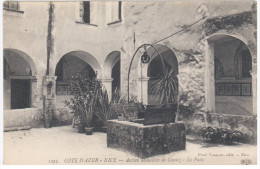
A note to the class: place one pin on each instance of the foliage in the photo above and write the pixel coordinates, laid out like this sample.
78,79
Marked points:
117,97
221,135
194,125
104,108
84,99
212,25
165,86
186,112
249,135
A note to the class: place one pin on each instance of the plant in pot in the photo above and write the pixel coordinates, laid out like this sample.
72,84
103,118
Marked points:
104,108
131,109
127,111
116,107
123,110
164,88
82,103
117,102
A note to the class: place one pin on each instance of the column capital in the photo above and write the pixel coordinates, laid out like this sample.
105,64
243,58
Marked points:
106,80
253,74
144,78
48,78
34,79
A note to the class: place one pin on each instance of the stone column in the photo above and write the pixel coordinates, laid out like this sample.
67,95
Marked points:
254,90
33,92
108,85
49,95
143,89
210,77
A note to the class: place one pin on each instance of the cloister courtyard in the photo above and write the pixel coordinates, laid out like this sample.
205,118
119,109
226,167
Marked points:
149,74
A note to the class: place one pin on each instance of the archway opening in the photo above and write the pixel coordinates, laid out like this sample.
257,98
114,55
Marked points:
67,67
112,73
17,79
116,77
232,75
155,72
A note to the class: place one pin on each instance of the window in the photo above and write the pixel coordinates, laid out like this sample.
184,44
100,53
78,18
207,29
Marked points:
246,64
11,5
114,12
119,10
87,12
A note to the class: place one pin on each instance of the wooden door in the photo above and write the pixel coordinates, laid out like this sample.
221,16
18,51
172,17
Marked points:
20,94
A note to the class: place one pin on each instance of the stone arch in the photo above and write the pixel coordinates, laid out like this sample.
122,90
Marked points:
69,65
86,57
215,36
109,63
224,94
167,54
24,56
169,58
19,79
111,72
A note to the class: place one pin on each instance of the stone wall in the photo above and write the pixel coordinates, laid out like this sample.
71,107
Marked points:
32,117
146,141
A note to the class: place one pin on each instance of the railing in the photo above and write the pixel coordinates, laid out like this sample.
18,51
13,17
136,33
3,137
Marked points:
233,89
63,88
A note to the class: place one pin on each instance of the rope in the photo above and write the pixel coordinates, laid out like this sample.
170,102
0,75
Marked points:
179,31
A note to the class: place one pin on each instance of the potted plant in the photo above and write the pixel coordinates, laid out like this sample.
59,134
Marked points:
82,104
127,111
165,90
131,110
104,108
117,102
123,110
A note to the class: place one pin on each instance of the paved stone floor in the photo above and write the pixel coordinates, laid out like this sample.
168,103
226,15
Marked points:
63,145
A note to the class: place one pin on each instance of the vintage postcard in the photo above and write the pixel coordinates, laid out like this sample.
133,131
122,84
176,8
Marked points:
130,82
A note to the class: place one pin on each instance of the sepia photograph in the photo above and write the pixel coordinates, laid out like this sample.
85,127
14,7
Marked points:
129,82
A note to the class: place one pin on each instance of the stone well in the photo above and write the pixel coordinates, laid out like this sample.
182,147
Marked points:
146,141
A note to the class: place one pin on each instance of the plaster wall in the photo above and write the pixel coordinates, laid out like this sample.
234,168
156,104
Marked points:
238,105
27,33
23,117
70,35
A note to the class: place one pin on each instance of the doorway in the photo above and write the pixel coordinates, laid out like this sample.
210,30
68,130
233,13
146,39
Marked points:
20,93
